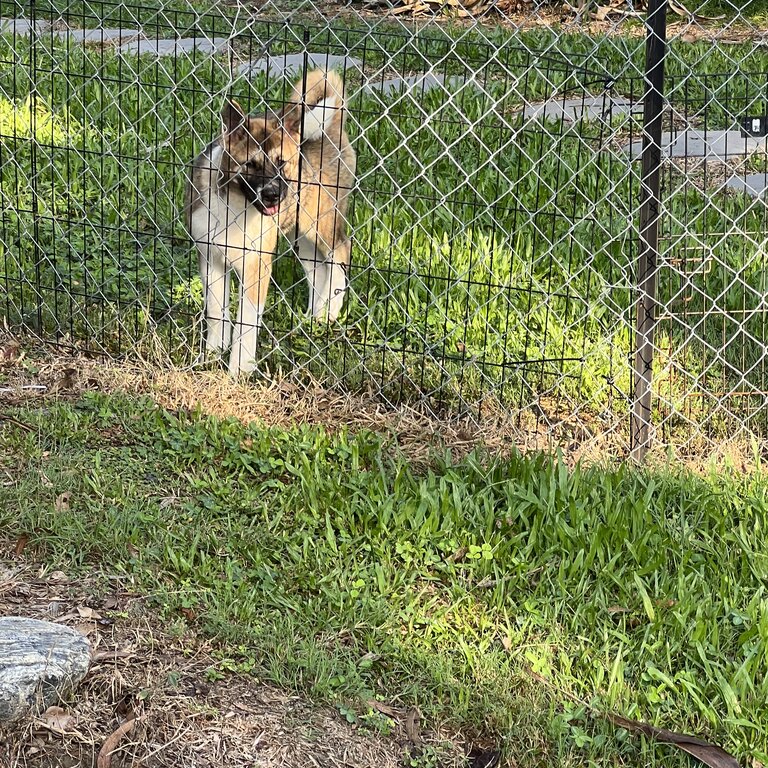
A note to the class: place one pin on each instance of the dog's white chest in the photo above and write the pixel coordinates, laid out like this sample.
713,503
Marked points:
225,218
231,223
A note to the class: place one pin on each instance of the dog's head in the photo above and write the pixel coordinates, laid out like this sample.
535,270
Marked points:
261,151
253,157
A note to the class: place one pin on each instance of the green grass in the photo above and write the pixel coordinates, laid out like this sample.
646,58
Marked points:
477,269
489,593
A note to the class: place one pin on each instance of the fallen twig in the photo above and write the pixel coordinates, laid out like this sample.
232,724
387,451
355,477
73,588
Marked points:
15,422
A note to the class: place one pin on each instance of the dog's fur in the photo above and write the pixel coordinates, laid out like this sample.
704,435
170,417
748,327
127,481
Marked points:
292,171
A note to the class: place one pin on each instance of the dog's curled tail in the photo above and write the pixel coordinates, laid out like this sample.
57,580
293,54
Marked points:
322,94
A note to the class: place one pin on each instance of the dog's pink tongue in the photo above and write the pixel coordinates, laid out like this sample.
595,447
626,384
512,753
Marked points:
271,211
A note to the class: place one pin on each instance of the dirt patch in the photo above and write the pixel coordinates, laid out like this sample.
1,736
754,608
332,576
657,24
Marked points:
182,717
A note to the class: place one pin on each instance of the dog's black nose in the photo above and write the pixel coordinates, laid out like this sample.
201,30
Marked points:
272,194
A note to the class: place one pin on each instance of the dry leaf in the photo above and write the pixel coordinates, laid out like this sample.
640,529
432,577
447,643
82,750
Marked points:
9,352
88,613
412,726
506,643
58,576
21,543
67,380
385,709
709,754
111,743
458,554
57,719
62,502
681,10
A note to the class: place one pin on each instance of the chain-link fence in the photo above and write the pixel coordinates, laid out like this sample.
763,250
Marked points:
498,241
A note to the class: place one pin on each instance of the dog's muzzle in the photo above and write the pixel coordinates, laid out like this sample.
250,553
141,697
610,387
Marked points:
269,198
265,197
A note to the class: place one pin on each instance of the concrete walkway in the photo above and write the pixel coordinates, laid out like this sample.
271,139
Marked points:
715,145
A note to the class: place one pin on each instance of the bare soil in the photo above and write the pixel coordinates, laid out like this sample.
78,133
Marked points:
141,673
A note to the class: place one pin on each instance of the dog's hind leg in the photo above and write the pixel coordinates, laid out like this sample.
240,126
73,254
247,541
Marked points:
214,274
336,279
253,270
326,276
315,268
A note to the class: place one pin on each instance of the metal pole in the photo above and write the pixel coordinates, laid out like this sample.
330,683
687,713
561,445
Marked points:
650,203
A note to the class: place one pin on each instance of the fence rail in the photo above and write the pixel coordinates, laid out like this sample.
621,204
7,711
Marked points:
504,228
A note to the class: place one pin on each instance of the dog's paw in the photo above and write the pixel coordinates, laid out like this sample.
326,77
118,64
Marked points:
320,314
239,370
335,307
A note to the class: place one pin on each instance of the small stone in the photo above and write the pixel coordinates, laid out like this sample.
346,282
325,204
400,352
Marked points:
58,576
40,662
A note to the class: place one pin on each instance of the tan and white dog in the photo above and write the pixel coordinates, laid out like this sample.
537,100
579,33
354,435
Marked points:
289,171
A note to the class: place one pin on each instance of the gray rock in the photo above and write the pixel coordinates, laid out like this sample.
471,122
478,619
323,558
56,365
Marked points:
755,184
96,36
718,145
294,62
160,47
39,663
22,26
590,108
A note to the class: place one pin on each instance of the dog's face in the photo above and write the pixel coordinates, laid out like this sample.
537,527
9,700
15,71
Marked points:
257,157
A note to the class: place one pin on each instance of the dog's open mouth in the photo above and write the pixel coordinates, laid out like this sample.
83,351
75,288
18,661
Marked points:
269,210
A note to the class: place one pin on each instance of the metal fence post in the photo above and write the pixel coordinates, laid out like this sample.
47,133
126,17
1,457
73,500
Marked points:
648,254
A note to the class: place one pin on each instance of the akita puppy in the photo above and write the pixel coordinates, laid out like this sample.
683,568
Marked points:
289,171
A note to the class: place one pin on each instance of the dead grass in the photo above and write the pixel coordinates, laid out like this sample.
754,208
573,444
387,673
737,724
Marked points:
140,671
31,372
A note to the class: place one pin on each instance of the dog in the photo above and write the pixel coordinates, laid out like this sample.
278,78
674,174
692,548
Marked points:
290,171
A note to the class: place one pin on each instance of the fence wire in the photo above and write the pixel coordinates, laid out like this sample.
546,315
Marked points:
494,217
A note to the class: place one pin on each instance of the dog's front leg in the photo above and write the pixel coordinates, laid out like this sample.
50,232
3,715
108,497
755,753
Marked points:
254,271
314,266
214,274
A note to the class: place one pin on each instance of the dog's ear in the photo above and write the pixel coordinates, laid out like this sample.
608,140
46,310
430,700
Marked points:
290,117
233,119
